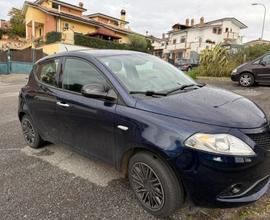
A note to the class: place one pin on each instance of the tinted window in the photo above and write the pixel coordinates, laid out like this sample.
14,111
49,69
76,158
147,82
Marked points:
78,73
266,59
46,72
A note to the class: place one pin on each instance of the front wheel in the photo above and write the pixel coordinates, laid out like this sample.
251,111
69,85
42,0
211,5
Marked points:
246,80
155,184
30,133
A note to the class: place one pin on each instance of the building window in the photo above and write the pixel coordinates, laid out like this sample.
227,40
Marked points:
227,30
217,30
40,32
54,5
183,40
174,41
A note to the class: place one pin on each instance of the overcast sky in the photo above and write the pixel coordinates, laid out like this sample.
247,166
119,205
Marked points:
157,16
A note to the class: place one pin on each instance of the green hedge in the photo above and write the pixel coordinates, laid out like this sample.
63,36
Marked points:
82,40
2,32
53,36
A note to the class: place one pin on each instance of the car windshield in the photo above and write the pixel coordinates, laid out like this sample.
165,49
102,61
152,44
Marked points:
143,72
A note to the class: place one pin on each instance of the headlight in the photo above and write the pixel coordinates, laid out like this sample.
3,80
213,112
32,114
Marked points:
220,144
235,70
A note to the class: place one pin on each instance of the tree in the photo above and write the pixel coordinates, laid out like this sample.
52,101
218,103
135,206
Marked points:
17,22
138,42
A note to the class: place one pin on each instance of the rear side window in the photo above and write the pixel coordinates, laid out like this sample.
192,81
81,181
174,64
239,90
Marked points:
46,72
78,73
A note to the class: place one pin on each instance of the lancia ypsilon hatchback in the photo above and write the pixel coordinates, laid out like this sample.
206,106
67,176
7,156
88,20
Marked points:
176,140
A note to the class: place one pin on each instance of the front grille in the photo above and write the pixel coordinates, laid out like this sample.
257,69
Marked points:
261,140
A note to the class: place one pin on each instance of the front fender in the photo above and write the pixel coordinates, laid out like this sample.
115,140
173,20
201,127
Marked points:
153,132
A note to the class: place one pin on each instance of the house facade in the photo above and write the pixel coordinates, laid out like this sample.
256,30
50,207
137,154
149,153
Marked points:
43,16
187,40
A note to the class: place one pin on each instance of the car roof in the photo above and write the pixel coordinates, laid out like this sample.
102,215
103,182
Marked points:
90,52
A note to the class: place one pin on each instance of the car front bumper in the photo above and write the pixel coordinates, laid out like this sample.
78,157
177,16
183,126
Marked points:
235,77
225,181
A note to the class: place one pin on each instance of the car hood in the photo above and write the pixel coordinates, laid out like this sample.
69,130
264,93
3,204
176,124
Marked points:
208,105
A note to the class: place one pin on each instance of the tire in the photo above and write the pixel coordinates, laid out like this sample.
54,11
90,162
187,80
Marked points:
162,185
246,79
30,133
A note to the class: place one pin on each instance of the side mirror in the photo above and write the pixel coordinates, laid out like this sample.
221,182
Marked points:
99,91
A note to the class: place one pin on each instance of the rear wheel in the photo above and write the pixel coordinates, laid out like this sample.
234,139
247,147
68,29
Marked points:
246,80
155,185
30,134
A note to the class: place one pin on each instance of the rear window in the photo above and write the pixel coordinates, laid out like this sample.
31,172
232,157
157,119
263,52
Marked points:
46,72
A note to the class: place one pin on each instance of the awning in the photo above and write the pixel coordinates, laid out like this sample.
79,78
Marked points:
104,32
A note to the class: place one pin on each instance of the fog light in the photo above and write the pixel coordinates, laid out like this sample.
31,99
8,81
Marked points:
236,189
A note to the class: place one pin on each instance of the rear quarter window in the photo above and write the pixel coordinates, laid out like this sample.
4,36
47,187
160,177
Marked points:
46,72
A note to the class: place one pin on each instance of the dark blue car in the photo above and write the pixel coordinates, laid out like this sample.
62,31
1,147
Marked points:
176,140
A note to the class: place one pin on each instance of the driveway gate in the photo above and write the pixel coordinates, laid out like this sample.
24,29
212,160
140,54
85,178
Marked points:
19,61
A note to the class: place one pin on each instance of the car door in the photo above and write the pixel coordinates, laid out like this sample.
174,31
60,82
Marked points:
85,123
41,98
262,69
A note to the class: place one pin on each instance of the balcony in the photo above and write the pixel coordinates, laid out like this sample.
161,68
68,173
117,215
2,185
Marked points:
177,46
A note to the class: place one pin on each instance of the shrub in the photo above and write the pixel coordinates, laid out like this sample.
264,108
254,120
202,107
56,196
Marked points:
53,36
253,52
1,33
193,73
82,40
215,62
138,42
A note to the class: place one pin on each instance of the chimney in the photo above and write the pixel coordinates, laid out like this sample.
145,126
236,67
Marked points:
187,22
192,22
201,20
81,4
123,18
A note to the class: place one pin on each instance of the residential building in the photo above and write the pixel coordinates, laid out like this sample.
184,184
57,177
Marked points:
189,39
43,16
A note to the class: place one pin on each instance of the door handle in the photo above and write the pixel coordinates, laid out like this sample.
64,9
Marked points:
63,104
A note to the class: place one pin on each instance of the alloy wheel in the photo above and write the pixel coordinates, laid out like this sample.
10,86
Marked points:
245,80
28,132
147,186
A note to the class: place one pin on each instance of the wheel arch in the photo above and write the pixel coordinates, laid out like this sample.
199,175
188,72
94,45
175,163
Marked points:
157,155
247,71
124,162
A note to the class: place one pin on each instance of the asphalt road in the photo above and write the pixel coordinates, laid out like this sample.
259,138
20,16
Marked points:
57,183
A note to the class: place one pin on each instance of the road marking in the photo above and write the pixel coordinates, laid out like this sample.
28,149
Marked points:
64,158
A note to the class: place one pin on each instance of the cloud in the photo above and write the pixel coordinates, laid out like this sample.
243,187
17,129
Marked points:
157,16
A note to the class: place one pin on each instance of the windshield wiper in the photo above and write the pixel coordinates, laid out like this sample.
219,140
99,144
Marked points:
148,93
182,87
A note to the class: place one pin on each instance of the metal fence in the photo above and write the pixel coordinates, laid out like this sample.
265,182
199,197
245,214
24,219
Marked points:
19,61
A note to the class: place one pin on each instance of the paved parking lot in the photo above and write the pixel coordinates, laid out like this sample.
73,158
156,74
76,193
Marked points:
57,183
